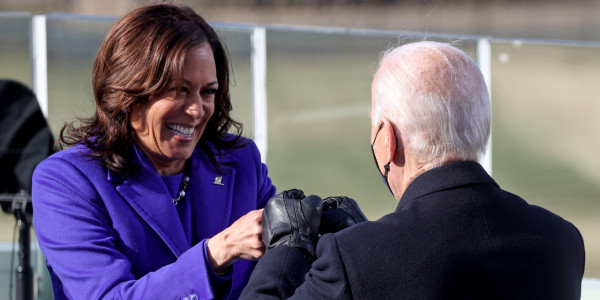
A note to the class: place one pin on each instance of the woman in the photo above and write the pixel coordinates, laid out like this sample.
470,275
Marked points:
155,200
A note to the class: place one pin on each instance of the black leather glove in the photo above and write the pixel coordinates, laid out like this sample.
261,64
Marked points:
290,218
339,212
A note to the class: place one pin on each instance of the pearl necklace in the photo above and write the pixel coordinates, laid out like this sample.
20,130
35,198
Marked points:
184,184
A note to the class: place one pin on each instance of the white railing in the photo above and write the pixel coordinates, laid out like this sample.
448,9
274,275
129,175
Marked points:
259,89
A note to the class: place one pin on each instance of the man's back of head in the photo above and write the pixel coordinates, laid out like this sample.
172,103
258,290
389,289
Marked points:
436,96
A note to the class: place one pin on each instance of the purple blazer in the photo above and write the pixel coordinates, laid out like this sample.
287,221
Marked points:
105,235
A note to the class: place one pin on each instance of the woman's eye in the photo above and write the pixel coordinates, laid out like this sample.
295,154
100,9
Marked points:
211,91
183,90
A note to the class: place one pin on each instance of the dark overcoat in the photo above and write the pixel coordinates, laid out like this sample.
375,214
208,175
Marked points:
454,235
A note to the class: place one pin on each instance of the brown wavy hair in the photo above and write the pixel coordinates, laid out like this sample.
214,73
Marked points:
143,52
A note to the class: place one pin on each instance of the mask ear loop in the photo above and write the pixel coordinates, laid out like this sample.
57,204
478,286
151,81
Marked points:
376,134
386,167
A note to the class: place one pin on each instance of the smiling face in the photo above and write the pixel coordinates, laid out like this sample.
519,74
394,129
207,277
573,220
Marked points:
170,124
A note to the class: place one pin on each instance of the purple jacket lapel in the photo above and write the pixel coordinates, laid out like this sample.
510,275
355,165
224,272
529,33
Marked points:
148,196
211,192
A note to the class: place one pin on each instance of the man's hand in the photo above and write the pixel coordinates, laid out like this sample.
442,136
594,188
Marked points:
340,212
290,218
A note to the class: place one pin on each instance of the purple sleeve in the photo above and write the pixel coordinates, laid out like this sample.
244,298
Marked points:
85,261
221,283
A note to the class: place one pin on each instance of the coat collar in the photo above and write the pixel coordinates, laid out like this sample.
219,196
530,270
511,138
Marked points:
445,177
148,196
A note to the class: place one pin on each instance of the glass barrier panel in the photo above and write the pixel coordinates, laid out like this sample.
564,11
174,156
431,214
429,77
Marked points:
545,132
238,45
319,100
15,64
72,47
15,61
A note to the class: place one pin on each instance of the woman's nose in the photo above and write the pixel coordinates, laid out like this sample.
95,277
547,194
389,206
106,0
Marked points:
194,107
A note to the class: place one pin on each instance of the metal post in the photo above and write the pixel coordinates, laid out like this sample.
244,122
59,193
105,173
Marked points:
24,271
259,89
484,61
39,61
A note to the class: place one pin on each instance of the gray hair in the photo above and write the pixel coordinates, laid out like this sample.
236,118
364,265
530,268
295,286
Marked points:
436,95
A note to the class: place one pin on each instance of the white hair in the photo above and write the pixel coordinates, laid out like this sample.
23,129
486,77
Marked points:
436,95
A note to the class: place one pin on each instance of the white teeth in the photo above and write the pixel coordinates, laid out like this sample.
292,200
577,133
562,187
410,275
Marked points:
180,130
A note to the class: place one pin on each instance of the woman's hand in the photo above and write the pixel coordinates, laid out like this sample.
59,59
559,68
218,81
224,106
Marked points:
243,239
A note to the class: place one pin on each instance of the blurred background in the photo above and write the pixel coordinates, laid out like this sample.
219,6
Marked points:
547,19
320,56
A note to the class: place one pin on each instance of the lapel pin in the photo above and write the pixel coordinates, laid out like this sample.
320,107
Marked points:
218,180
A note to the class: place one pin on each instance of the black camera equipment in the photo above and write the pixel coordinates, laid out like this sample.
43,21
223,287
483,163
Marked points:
25,140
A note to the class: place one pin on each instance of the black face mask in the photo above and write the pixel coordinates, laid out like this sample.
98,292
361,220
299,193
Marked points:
386,167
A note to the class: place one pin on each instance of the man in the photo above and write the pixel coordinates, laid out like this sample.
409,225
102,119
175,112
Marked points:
454,235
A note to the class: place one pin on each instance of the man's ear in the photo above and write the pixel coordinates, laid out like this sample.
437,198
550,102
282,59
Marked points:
393,142
387,132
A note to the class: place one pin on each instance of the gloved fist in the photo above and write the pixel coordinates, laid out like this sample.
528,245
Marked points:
340,212
290,218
